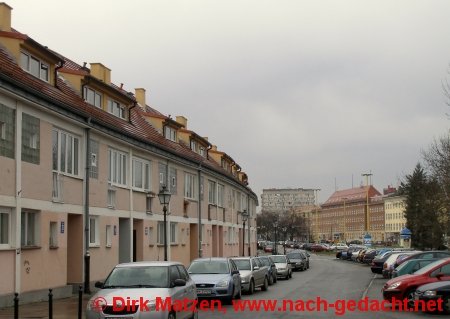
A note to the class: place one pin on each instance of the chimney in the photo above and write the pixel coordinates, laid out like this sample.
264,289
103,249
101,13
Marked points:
101,72
140,96
182,120
214,148
5,17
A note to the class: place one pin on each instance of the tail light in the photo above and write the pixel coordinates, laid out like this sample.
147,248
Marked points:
384,266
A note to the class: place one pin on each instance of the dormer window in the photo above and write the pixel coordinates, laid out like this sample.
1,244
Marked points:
202,151
34,66
170,133
116,109
194,146
92,97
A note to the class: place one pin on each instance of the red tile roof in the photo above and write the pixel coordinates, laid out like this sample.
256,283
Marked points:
352,194
66,97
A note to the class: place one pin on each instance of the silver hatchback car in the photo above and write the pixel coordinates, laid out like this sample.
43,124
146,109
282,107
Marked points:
145,290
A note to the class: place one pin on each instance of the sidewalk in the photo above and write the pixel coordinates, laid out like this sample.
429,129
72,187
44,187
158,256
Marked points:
66,308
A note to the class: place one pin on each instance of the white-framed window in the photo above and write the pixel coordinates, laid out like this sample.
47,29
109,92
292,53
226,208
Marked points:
212,192
92,97
111,200
189,186
202,151
57,187
160,233
220,195
141,174
94,151
66,152
173,232
117,167
108,236
116,109
53,235
34,66
170,133
94,236
29,228
5,213
30,139
194,145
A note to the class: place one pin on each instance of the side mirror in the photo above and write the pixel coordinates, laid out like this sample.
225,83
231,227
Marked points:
440,275
235,272
179,283
256,268
98,284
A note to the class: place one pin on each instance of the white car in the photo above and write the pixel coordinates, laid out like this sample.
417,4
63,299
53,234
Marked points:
339,246
142,290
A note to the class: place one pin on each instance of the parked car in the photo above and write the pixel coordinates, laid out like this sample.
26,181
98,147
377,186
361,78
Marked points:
318,248
435,291
438,254
411,266
216,278
268,248
338,246
284,268
267,261
298,260
388,265
148,280
253,274
377,263
405,286
369,256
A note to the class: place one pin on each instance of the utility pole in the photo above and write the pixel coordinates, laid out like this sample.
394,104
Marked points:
367,222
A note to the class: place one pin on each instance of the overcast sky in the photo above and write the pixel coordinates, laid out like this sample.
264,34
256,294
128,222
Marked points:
300,93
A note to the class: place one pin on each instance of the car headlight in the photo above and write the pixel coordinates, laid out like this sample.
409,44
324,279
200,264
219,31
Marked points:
222,283
430,293
395,285
245,280
96,304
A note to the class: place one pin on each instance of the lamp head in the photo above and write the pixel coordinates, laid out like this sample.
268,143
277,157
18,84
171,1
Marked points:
164,196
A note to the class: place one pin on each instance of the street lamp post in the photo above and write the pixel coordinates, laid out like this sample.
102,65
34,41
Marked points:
244,219
276,239
164,199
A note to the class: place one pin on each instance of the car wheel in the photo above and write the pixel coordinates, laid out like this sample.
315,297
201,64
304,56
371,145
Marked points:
266,284
251,289
270,280
275,279
409,295
290,274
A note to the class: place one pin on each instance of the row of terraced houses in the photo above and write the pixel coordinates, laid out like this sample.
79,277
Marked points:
81,164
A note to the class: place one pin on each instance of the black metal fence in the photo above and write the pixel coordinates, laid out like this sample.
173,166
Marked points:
50,303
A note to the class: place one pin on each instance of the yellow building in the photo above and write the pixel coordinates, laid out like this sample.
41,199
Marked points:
395,220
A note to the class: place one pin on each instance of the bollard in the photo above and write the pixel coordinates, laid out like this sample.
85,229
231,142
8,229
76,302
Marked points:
50,304
80,300
16,306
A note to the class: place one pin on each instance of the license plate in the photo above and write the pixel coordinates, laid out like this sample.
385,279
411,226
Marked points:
118,317
203,291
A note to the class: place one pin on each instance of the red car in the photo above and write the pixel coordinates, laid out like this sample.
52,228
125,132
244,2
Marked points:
317,248
405,286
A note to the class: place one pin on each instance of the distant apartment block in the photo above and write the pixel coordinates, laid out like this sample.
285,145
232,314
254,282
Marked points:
286,199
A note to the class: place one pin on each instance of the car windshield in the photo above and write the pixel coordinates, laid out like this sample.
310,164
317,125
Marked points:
295,256
279,259
265,261
209,267
243,264
138,277
429,267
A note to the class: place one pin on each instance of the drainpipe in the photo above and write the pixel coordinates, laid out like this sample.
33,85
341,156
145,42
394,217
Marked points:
18,195
200,252
129,111
87,256
59,66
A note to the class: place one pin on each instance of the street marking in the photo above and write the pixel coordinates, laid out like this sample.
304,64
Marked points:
368,287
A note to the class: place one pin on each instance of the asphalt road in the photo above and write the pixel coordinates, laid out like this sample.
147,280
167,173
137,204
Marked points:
328,279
